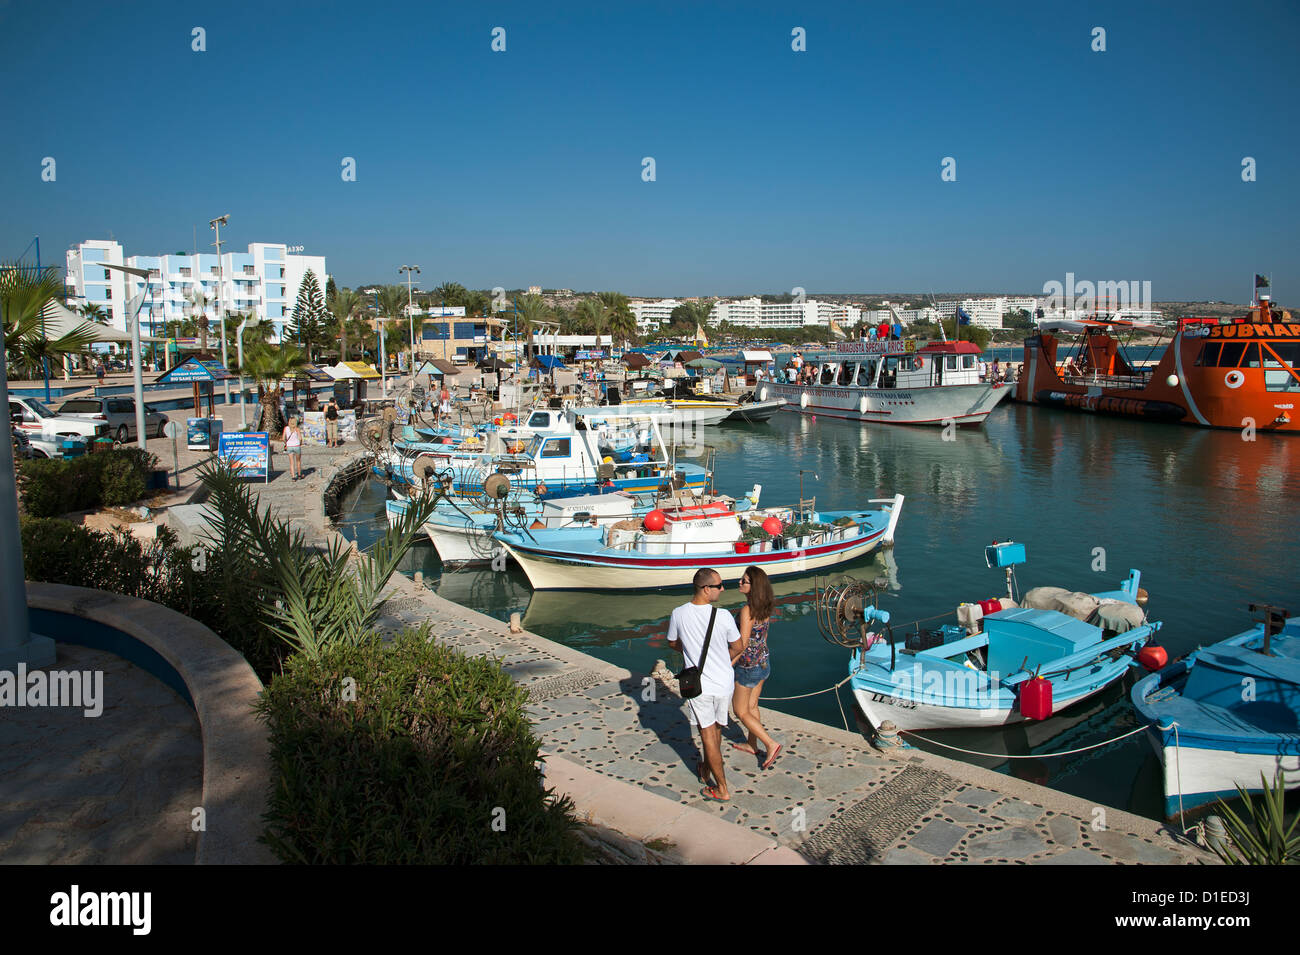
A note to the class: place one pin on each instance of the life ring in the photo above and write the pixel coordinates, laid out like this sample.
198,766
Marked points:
541,490
803,400
1234,379
920,362
762,393
862,405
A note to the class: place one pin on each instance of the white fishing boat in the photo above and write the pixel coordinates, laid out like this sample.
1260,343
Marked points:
894,382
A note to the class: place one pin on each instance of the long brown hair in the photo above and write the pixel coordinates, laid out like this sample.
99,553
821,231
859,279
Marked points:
761,599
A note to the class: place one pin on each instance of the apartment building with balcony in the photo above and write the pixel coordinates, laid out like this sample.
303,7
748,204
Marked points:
264,281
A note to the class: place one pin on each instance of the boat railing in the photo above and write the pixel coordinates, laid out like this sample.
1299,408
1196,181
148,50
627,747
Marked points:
1108,381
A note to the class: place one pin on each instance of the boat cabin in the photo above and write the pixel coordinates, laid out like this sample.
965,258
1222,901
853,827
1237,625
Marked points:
890,365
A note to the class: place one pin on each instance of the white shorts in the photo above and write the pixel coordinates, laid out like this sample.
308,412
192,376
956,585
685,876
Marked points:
706,710
445,407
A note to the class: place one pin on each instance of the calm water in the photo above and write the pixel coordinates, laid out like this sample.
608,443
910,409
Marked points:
1208,519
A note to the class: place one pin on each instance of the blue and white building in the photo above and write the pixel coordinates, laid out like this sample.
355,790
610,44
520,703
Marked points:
264,281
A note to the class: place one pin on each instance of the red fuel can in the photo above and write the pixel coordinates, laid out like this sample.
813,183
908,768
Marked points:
1036,699
990,606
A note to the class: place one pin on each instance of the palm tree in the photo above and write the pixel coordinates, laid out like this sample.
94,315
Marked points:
392,305
618,315
24,293
477,303
199,298
93,312
532,311
343,306
269,365
592,316
450,293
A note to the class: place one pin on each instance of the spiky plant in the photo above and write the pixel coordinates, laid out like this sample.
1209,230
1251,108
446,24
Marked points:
269,365
314,599
1266,839
24,293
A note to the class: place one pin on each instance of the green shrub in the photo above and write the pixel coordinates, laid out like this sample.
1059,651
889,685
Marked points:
49,487
122,482
407,753
61,552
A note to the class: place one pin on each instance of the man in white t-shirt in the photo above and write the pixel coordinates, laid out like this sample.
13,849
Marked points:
686,631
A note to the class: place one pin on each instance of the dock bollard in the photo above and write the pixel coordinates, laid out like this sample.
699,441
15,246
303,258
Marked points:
887,735
419,578
515,625
1216,836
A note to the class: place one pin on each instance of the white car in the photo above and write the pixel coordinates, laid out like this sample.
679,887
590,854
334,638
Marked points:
34,419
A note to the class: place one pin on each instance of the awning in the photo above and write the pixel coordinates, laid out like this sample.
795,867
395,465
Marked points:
703,363
59,320
753,357
636,360
548,362
345,370
492,363
439,368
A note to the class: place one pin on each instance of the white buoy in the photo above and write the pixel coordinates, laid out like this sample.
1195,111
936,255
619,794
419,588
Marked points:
1172,381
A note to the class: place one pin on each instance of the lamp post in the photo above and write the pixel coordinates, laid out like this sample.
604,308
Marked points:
17,643
410,311
137,365
383,358
216,224
239,357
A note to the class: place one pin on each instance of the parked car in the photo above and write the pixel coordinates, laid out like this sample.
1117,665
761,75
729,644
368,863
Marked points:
119,412
38,445
35,419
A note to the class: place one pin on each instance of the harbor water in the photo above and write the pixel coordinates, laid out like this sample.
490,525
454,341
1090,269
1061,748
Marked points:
1206,516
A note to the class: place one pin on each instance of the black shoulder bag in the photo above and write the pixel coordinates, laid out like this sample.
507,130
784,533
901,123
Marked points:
688,681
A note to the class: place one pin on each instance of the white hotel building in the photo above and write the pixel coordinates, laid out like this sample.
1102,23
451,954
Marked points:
752,313
264,280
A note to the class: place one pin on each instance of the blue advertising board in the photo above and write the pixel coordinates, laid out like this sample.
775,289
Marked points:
247,453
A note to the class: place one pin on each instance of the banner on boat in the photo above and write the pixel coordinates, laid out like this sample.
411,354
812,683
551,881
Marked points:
247,454
889,347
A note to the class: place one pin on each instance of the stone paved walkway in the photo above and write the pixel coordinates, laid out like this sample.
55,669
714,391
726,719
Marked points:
117,788
830,795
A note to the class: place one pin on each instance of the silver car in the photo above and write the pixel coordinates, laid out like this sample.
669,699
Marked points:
119,412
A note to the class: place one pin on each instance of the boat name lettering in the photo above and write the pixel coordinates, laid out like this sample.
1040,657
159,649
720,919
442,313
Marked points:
1244,330
892,701
890,347
1196,331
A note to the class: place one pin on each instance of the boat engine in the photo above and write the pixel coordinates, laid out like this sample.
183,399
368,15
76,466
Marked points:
845,610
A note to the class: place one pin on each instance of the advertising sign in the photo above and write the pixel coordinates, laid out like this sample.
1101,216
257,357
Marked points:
249,454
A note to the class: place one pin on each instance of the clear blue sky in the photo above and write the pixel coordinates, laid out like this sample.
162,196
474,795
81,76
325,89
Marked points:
775,169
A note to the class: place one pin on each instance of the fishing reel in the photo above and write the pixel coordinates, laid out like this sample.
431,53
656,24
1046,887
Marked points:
845,609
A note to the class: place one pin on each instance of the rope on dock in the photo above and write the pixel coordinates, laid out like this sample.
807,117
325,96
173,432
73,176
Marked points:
1065,752
804,696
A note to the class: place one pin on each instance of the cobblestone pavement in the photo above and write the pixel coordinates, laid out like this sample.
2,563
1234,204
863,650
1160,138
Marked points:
117,788
830,795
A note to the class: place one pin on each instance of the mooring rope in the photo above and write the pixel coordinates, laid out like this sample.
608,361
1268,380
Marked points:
1066,752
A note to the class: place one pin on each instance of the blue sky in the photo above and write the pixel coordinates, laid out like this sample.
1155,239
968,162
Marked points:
774,168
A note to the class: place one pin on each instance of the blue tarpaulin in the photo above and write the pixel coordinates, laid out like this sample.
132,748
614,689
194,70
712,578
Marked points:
548,362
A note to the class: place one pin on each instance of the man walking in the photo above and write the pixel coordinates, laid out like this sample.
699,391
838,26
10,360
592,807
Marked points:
332,424
688,628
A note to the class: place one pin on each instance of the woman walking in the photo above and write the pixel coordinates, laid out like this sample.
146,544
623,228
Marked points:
753,666
292,438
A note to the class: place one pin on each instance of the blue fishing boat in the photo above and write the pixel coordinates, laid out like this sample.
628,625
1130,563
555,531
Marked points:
1006,660
1227,714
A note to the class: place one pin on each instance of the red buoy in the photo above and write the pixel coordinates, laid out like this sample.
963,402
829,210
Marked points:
1153,658
1036,699
772,525
654,521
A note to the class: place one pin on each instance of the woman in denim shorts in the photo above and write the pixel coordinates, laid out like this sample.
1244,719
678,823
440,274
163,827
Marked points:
753,666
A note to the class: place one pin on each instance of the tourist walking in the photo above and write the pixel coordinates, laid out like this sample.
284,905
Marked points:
753,665
292,438
99,371
332,424
710,641
444,402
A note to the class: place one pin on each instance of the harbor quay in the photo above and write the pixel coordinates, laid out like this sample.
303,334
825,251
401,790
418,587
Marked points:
614,740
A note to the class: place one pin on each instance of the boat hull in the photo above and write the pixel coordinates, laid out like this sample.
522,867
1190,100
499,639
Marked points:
912,715
1204,774
551,570
935,405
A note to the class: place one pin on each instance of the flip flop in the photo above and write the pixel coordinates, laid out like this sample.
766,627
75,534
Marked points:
711,793
703,773
745,748
771,757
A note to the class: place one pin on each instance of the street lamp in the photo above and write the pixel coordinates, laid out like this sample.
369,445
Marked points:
216,224
383,358
136,363
410,311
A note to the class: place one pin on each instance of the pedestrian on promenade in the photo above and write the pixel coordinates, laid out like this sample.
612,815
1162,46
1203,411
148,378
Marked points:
753,666
332,424
292,438
709,640
444,402
99,371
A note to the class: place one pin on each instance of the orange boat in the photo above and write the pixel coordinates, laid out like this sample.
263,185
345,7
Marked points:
1244,373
